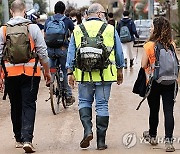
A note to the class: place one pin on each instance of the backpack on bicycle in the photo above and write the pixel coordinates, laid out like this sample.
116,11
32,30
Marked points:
166,65
17,48
92,54
55,32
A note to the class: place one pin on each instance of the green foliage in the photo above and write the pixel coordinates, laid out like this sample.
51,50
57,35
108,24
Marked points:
42,5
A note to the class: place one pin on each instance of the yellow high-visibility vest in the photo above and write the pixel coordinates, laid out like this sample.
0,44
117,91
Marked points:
92,27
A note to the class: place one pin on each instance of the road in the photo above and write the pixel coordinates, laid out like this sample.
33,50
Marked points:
62,133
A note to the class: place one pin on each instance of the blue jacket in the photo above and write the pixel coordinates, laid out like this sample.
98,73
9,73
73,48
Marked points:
130,24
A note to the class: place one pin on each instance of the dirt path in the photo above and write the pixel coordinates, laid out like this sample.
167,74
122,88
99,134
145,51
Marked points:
62,133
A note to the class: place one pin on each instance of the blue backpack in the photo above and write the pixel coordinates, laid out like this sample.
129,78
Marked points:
125,35
55,33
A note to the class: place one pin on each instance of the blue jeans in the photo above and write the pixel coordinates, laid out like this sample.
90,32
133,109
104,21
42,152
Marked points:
87,92
61,54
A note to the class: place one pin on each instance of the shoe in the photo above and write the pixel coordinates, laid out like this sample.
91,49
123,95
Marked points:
169,147
19,144
125,63
131,62
148,138
70,100
28,147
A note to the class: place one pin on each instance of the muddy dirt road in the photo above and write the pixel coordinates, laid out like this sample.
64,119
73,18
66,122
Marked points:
63,132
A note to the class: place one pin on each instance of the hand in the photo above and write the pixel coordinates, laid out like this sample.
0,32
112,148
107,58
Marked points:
71,81
1,85
119,76
47,77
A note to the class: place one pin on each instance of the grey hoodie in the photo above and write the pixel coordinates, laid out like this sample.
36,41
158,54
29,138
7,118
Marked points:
36,35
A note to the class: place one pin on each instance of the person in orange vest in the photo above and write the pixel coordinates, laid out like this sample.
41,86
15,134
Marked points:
22,78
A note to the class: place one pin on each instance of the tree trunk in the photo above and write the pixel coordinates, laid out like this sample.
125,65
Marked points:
128,3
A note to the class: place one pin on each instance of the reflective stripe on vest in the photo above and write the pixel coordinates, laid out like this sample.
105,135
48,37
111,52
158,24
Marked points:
109,74
24,68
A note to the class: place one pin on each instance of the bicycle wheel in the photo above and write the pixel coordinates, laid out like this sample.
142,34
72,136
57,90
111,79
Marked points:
55,94
63,97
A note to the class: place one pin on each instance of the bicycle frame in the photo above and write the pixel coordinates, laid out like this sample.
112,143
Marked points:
57,90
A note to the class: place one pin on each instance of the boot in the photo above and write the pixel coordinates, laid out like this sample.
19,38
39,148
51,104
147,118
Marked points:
125,62
86,117
101,126
131,62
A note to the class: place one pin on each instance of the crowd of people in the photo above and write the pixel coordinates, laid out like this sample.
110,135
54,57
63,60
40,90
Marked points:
93,56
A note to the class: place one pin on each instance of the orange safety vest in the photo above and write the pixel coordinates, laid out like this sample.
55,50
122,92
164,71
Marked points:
23,68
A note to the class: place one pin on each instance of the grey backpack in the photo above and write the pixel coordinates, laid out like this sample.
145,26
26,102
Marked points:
125,35
166,65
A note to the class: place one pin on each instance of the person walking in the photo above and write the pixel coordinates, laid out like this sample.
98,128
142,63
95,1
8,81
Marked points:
94,71
126,30
160,33
56,37
111,19
22,74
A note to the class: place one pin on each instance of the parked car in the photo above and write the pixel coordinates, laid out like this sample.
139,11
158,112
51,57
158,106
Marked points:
143,29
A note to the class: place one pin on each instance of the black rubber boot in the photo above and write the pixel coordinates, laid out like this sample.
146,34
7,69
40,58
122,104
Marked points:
125,62
101,126
131,62
86,117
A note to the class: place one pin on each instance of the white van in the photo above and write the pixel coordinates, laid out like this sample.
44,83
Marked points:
143,29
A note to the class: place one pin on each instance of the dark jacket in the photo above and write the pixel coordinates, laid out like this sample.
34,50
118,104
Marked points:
140,83
130,24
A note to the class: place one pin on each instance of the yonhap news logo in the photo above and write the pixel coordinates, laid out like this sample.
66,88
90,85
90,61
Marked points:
130,139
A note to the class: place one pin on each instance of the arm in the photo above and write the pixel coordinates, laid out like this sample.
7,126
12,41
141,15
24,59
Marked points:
41,50
144,60
134,30
119,58
70,61
70,26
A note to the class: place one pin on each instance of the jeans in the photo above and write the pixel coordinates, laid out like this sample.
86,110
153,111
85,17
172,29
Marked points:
61,54
23,105
87,91
167,93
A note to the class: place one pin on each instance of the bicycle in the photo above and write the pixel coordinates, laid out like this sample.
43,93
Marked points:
56,89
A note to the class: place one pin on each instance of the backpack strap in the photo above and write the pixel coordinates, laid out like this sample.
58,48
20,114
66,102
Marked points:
101,30
172,48
52,18
84,31
62,18
157,48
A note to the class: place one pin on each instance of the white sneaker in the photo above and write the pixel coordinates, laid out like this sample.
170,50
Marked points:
19,144
28,147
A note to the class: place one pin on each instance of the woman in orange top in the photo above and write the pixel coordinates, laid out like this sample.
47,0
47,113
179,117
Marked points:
160,32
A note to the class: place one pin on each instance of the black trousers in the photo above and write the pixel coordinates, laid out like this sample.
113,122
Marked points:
23,105
167,94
